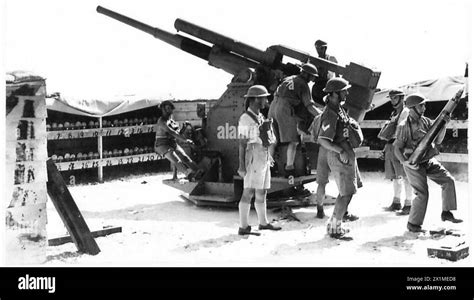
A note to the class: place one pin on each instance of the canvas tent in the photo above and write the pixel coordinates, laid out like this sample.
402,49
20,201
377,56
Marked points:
99,108
441,89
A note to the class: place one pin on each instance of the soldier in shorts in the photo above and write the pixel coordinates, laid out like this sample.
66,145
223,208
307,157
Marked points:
334,136
291,93
166,146
393,168
254,160
322,179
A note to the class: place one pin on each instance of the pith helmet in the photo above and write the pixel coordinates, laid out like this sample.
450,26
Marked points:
414,99
257,91
396,92
310,69
336,85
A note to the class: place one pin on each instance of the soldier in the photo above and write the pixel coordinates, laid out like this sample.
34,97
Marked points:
409,134
255,159
166,146
322,179
393,167
335,134
323,73
293,91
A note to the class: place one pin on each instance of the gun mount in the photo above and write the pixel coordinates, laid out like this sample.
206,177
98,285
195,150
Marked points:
249,66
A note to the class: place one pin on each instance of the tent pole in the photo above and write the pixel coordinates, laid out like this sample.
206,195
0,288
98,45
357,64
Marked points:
99,146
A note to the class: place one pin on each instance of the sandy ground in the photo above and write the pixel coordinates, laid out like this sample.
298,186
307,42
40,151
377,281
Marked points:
160,228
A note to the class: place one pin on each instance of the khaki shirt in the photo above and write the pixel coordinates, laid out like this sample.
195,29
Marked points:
411,131
294,90
332,126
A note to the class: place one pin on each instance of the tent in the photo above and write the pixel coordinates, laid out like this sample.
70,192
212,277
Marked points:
441,89
99,108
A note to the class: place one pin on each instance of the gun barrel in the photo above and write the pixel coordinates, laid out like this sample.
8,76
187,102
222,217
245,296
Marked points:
304,57
269,57
181,42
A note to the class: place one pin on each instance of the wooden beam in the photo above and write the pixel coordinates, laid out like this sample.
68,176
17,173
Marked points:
98,233
100,173
69,212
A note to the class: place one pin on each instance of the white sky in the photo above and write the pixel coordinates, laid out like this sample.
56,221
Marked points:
84,54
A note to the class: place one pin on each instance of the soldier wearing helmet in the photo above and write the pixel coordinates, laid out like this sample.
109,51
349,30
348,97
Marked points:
255,137
324,74
291,93
409,134
166,146
333,134
393,168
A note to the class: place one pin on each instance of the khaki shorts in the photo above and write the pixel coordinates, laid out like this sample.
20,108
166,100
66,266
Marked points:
393,167
257,166
286,124
346,175
163,149
322,169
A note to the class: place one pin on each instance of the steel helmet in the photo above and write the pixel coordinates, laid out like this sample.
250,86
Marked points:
336,85
310,69
396,92
414,99
165,103
257,91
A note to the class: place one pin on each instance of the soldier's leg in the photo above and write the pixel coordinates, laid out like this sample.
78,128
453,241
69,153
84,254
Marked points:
322,179
391,174
261,206
345,177
441,176
419,183
290,156
185,158
408,192
397,189
244,207
176,161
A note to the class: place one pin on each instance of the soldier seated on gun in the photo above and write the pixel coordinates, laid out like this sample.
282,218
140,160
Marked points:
186,131
323,73
166,146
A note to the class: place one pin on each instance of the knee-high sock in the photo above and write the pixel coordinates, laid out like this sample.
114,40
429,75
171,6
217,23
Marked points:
397,190
244,211
261,207
290,155
408,192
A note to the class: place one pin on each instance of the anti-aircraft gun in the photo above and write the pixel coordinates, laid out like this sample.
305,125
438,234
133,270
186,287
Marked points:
249,66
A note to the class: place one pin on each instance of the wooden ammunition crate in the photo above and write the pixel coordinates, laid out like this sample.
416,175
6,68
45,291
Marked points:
452,252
